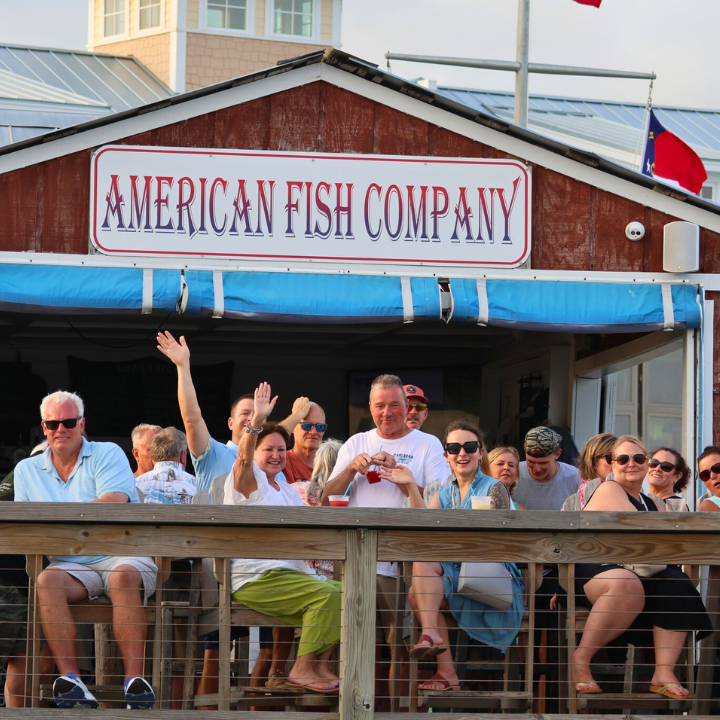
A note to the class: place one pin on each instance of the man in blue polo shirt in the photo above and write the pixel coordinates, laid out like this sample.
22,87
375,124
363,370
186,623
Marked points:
75,470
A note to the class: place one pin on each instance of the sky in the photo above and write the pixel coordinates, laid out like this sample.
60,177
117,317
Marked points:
677,39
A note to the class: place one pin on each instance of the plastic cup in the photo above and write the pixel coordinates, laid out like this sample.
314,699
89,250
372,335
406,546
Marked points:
339,500
481,502
373,476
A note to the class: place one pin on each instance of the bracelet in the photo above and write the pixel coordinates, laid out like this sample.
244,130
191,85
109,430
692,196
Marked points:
250,430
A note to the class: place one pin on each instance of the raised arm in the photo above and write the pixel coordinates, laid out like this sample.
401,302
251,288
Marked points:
195,427
243,475
300,409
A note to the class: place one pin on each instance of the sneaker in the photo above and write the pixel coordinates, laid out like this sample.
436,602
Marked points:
69,691
139,694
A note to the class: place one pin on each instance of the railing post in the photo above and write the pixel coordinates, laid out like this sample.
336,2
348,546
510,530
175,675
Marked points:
357,641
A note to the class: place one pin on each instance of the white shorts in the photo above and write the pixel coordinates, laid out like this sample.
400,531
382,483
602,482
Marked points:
95,576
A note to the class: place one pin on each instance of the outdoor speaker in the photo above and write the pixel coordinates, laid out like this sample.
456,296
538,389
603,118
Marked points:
681,247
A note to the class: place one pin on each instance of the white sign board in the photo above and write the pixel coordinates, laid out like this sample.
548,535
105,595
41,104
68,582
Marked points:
188,202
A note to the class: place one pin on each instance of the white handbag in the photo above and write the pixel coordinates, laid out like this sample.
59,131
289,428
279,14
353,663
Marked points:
488,583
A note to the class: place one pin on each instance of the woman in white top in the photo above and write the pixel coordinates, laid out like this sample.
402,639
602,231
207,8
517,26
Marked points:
287,590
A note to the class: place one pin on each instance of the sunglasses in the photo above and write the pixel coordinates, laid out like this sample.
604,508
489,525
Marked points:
308,426
639,459
664,466
68,424
417,406
469,447
705,474
608,458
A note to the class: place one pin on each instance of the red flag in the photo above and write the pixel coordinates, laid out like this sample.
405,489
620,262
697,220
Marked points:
666,157
594,3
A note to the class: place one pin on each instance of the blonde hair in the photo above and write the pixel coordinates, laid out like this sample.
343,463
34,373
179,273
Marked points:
629,439
495,453
595,447
325,459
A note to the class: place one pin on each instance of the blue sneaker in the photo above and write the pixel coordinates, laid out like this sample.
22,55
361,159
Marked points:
139,694
69,691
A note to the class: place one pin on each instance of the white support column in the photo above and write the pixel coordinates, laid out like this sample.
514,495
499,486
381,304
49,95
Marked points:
707,372
689,405
337,23
91,25
522,56
178,46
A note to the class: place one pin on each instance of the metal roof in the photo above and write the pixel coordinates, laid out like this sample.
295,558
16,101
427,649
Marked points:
595,124
44,89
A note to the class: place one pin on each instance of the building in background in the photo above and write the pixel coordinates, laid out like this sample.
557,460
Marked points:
189,44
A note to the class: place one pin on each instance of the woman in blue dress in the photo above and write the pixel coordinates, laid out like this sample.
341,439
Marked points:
434,586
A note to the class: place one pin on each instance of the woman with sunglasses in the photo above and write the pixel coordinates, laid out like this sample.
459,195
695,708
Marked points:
666,603
434,585
594,466
709,466
668,476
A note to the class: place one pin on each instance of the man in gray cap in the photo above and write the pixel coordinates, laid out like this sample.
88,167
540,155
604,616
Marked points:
545,482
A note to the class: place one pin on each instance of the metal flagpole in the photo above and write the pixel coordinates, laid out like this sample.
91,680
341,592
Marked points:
644,129
522,57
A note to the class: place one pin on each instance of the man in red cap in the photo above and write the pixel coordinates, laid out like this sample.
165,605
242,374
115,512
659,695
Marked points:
417,407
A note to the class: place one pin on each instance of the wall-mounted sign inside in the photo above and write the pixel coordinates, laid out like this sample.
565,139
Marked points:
308,206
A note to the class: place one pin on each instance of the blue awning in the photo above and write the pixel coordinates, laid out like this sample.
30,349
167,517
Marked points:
341,298
83,290
578,307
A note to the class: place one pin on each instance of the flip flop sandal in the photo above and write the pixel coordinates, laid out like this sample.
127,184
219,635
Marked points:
426,648
587,688
667,692
439,680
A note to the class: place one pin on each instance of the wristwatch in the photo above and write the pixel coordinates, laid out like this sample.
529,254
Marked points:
250,430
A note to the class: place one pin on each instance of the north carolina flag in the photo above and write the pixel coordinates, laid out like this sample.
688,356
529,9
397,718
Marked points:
594,3
667,158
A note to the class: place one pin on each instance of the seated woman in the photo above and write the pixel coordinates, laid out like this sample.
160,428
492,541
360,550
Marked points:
288,590
668,476
594,467
667,603
709,467
434,585
504,463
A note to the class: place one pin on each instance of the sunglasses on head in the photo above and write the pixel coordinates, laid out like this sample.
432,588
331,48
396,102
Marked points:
664,466
639,459
68,424
469,447
308,426
417,406
705,474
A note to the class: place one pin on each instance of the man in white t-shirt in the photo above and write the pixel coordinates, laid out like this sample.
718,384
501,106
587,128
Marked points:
391,443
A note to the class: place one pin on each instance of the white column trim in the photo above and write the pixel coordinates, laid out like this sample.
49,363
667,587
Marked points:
407,299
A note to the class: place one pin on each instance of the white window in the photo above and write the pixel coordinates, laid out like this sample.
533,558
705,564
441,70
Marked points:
227,14
293,17
708,192
149,14
114,18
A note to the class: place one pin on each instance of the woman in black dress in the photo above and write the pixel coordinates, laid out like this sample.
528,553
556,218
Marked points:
667,603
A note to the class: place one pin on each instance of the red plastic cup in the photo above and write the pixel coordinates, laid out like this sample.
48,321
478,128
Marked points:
373,476
339,500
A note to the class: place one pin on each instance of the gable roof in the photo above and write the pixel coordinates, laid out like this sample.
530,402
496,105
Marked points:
366,79
44,89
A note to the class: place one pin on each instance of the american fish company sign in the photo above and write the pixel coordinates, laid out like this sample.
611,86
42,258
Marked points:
188,202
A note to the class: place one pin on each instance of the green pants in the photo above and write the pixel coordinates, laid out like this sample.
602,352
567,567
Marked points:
300,600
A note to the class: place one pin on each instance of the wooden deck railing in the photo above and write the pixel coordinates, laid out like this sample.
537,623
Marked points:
359,538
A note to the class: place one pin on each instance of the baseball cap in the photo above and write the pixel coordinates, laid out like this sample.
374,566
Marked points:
541,442
413,391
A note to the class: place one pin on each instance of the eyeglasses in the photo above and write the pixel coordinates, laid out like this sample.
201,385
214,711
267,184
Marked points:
68,424
607,458
639,459
664,466
417,406
469,447
308,426
705,474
